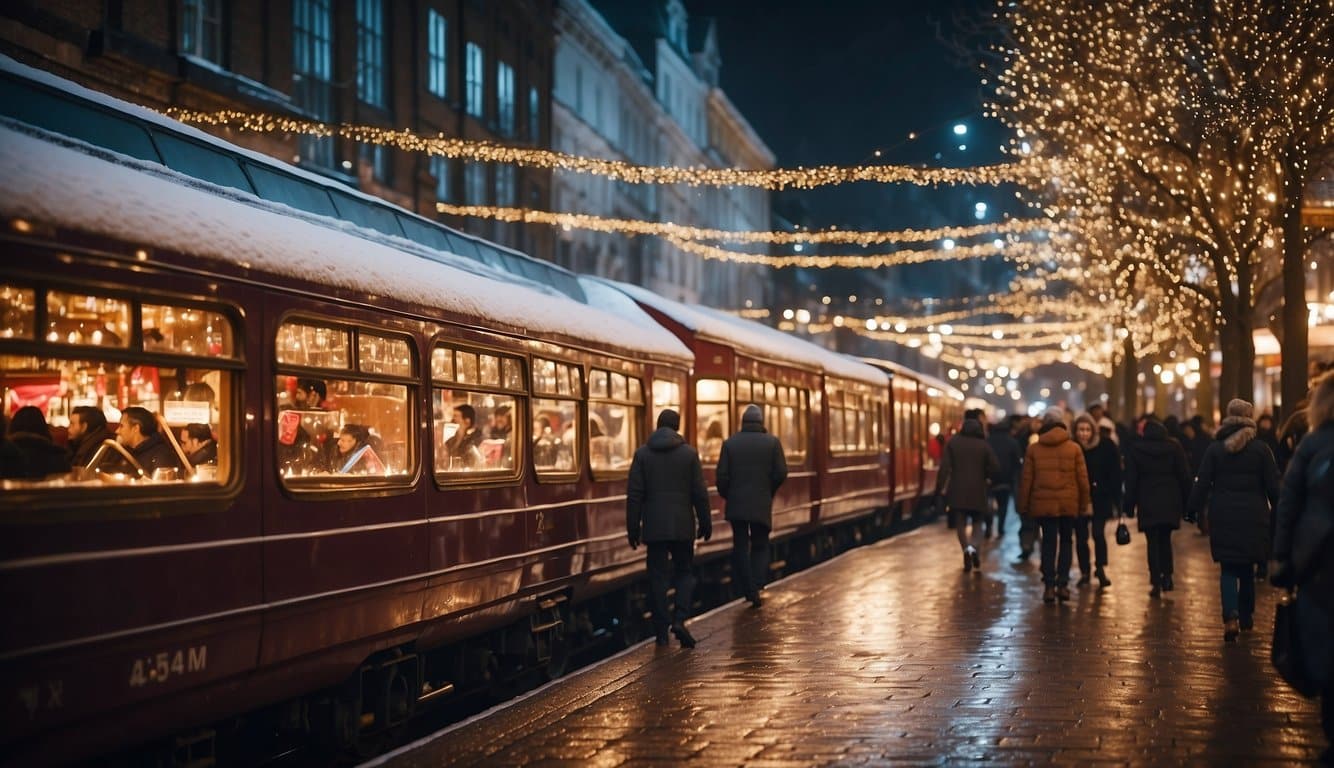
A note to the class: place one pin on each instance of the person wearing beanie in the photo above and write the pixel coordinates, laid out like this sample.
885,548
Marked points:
1054,489
751,467
666,484
1234,495
1157,488
966,468
1104,468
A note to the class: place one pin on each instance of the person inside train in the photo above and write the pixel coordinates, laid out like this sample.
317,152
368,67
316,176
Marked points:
87,431
500,426
198,443
300,452
464,448
354,452
713,441
139,433
29,432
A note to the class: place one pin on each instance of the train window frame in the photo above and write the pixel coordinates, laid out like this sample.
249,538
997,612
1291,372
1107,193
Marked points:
569,377
709,447
773,398
662,399
113,497
852,405
333,485
517,391
632,400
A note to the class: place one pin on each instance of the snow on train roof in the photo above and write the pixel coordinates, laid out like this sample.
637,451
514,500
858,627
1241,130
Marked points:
141,202
754,337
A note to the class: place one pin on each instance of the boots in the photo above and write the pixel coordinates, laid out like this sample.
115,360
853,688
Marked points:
1231,628
683,634
1103,581
1063,593
1048,595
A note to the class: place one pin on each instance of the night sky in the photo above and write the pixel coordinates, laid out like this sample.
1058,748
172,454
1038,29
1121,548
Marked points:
831,82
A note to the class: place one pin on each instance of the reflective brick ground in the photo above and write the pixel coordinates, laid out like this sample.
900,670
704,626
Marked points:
891,654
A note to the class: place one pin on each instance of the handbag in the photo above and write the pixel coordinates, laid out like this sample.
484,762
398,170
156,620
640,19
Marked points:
1122,533
1287,652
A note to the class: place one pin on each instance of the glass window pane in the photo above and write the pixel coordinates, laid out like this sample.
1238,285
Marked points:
91,320
711,428
613,435
474,432
563,380
770,393
186,331
289,190
466,367
555,436
636,391
619,389
381,354
836,435
442,364
513,373
316,346
597,384
544,376
743,391
576,382
358,428
490,370
201,162
18,312
666,394
711,390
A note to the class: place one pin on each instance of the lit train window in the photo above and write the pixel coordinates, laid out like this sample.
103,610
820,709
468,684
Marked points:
477,413
614,419
666,394
18,312
556,419
786,415
82,319
151,410
713,408
352,428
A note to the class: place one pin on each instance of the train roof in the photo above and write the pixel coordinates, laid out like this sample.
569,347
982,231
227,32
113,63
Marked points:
70,184
755,338
898,369
53,103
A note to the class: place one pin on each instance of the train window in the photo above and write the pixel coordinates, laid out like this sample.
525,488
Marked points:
713,407
18,312
314,346
124,417
475,415
786,416
489,366
291,191
98,321
555,420
597,384
201,162
64,114
512,373
349,429
666,394
743,391
186,330
614,421
442,364
465,367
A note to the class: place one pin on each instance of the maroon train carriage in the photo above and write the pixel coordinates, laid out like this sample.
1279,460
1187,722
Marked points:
830,413
295,570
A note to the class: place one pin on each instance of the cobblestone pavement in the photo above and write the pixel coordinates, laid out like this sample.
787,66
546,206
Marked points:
891,654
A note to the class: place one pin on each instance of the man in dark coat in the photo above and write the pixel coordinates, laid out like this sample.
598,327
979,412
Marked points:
751,467
1239,480
1157,488
29,432
1104,469
666,484
966,467
1011,459
87,431
140,434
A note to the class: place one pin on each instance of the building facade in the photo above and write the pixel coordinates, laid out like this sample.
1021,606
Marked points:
458,68
633,83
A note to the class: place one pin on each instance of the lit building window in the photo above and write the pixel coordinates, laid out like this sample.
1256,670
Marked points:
475,85
370,52
312,69
505,98
437,54
201,29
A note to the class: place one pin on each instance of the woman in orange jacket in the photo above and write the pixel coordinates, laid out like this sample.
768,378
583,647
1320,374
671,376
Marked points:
1054,490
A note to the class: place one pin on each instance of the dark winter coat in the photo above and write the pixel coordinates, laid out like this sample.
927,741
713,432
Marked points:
1055,481
1010,456
1305,526
1157,479
87,445
751,467
41,456
1103,460
205,455
155,453
1238,480
966,468
666,483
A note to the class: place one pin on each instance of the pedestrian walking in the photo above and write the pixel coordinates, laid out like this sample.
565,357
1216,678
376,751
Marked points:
1011,458
1157,488
1103,461
1304,546
1234,492
966,468
666,484
751,467
1054,490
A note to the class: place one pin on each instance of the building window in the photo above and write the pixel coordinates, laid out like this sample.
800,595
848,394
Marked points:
440,170
312,69
474,183
475,85
370,52
505,98
377,157
437,54
201,29
506,194
534,115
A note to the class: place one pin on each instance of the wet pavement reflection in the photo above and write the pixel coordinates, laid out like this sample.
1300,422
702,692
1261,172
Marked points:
892,654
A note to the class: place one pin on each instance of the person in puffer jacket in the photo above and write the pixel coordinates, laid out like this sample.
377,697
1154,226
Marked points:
1157,486
1054,490
1238,482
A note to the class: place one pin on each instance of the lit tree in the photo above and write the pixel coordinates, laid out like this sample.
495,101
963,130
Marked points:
1189,124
